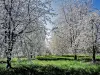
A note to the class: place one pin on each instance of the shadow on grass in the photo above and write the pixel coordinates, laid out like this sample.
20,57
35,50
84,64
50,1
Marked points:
47,70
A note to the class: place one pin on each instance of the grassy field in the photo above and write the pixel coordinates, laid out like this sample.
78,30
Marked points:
51,65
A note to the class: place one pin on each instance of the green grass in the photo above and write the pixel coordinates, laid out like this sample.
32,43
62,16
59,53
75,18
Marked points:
65,64
54,66
67,57
54,58
62,65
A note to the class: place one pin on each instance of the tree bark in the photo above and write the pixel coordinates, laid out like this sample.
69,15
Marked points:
75,57
93,57
8,53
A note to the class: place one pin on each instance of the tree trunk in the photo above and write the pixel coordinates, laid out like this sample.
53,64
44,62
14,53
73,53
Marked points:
75,57
8,62
31,55
93,57
8,53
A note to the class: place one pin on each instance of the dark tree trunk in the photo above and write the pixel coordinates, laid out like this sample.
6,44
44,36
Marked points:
93,57
75,57
8,62
8,58
31,55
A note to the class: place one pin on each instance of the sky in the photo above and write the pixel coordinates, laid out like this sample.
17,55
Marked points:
96,4
56,4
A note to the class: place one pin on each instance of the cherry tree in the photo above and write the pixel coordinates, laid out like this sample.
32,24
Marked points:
18,18
78,26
